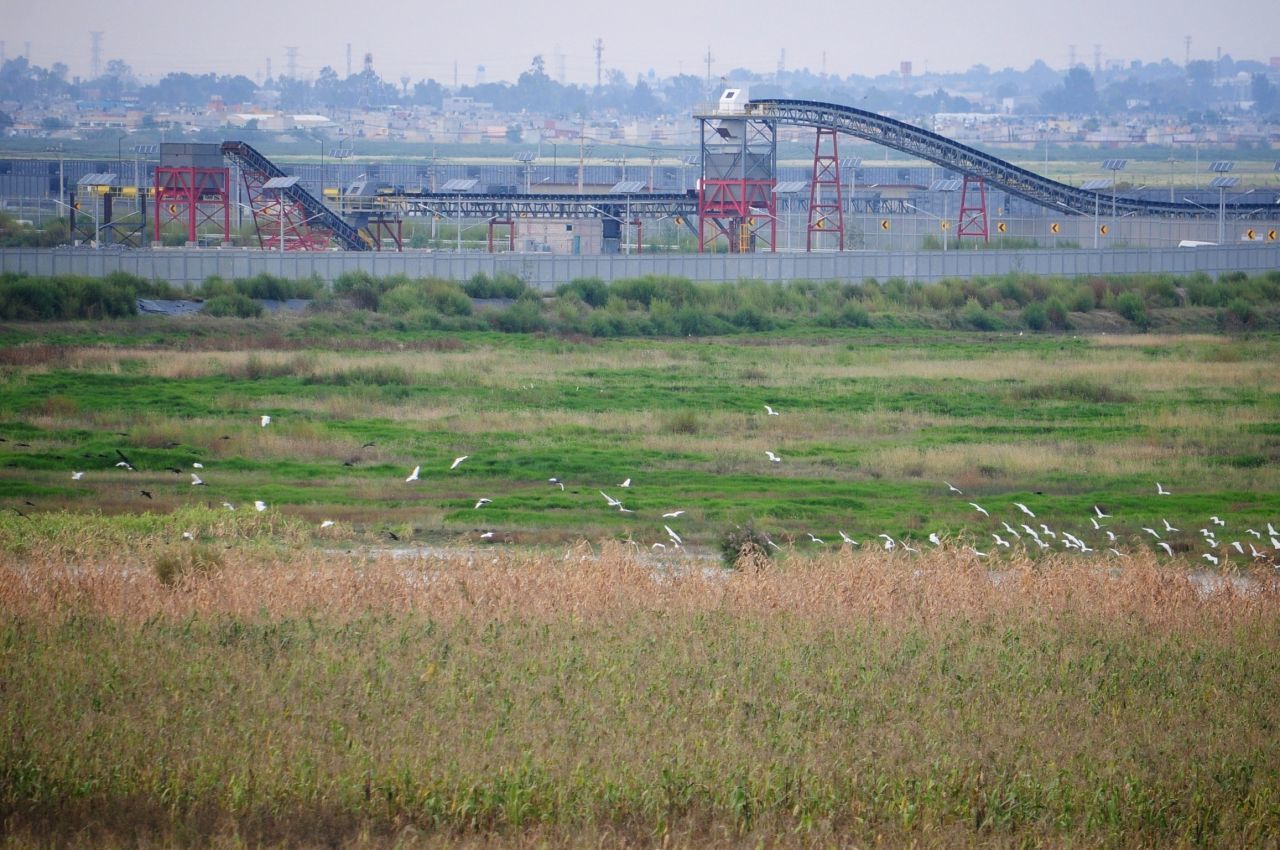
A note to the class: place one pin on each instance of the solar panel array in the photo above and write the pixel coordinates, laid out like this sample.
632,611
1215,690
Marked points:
459,185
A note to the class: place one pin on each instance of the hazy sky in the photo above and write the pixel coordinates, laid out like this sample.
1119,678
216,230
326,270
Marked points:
426,39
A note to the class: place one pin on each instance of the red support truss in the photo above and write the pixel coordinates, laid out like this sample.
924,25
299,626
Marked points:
826,205
195,197
973,215
510,224
279,219
731,208
736,198
381,228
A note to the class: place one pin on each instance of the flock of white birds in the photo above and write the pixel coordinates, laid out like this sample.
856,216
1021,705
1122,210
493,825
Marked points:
1033,536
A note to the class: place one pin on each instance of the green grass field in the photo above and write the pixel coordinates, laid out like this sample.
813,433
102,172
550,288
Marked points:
870,425
175,673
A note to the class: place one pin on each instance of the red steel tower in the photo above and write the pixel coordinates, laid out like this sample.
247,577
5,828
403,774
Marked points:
736,197
191,187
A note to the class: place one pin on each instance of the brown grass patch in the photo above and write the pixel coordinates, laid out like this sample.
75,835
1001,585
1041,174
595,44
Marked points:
588,583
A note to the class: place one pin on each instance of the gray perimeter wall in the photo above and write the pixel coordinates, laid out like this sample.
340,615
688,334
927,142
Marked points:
190,266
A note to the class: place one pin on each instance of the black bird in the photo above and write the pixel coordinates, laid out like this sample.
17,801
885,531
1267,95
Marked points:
23,445
18,512
224,437
4,439
348,463
367,445
28,503
174,470
121,434
145,493
393,535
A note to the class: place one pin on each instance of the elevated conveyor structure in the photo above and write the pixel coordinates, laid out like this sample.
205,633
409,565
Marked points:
952,155
486,206
292,208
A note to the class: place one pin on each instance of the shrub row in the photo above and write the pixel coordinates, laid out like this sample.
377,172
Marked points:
658,305
31,299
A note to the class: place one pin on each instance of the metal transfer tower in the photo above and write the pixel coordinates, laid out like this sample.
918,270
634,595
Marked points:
736,196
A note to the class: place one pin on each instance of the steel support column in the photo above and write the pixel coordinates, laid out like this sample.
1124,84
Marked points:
973,216
826,205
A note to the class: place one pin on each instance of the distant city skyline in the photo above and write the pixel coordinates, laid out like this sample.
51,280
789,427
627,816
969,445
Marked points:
239,37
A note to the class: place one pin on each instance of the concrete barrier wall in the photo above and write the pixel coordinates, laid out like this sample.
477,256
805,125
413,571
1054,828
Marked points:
187,267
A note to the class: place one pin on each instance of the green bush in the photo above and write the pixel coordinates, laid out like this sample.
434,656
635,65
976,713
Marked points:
744,546
1131,306
591,290
520,317
361,288
978,318
446,298
850,316
1056,312
1082,300
24,298
1035,317
237,305
273,288
501,285
677,291
1241,311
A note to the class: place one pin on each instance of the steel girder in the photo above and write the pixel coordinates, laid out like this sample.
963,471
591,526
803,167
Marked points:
498,207
940,150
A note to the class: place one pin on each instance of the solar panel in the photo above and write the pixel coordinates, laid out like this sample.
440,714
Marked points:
146,150
790,187
459,185
1115,164
693,160
1095,185
1222,166
1224,182
850,161
280,182
97,179
627,187
525,156
945,185
340,153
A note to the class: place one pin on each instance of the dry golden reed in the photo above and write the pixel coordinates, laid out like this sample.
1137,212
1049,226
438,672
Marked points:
586,582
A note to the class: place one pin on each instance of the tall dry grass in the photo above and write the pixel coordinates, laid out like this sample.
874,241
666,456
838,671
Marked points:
596,697
589,582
